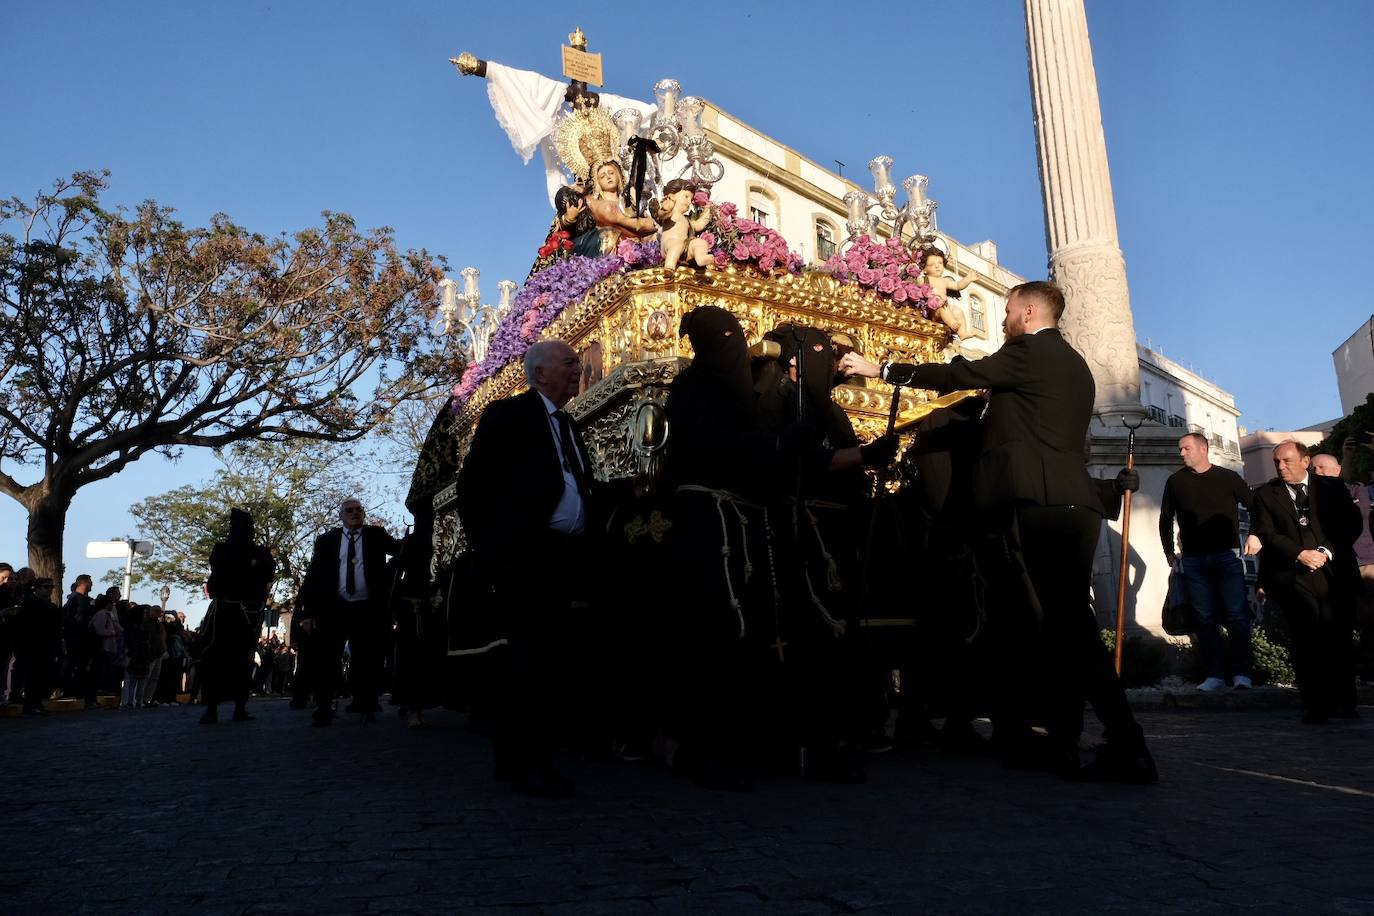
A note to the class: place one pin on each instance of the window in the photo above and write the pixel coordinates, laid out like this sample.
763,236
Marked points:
977,314
763,209
825,240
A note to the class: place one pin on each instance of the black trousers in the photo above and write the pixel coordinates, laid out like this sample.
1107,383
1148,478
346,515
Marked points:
363,627
541,676
1061,653
1319,629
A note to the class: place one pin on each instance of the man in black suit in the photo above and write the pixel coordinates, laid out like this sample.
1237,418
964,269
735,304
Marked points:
1032,490
1308,525
345,600
526,502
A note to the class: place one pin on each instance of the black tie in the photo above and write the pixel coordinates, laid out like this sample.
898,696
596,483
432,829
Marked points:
1301,500
350,583
571,460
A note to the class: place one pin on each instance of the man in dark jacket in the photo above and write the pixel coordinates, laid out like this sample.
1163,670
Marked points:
1308,525
345,601
37,644
1032,488
76,622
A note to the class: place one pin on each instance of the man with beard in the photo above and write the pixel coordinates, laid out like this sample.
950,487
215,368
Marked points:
821,506
1031,485
241,574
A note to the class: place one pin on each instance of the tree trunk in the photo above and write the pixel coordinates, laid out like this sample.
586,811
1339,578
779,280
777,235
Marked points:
47,523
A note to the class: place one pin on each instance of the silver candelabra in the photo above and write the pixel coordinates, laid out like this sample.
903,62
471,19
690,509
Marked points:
866,213
463,313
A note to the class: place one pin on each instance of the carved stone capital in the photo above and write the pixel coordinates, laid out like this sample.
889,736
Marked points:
1097,321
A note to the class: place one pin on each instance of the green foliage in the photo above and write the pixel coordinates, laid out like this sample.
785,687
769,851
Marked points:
1357,463
291,489
1273,664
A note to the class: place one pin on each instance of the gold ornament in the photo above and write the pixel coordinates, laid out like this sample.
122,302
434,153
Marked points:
587,138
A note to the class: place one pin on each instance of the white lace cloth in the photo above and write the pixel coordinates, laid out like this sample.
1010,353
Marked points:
527,105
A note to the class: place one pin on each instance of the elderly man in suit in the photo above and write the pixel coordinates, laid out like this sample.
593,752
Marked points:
345,600
526,502
1308,525
1032,489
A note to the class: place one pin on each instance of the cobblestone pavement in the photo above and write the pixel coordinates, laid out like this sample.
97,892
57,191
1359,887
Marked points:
133,812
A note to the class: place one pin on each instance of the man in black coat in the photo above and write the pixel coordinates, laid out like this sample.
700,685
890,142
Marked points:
1031,487
527,505
345,595
1308,525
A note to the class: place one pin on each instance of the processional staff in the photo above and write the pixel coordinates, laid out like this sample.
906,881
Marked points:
1125,543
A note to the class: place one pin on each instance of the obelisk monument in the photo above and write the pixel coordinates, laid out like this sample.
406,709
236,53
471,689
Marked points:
1085,260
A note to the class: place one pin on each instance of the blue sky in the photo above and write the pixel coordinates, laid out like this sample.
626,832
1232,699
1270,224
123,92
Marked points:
1239,136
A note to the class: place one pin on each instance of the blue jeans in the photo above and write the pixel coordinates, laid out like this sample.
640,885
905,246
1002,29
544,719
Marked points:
1216,586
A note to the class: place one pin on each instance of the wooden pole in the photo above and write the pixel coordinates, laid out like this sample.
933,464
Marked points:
1125,547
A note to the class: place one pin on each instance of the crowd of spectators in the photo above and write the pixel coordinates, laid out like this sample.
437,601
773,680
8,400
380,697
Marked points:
103,645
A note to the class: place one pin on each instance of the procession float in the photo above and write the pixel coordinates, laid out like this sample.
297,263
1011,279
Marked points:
639,237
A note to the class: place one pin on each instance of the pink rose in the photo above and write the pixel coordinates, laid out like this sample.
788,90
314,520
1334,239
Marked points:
867,276
766,263
894,243
755,248
899,294
701,198
741,251
726,223
728,210
709,238
722,260
887,285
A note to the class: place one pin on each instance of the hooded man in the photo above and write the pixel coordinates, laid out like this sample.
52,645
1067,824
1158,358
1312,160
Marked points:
241,574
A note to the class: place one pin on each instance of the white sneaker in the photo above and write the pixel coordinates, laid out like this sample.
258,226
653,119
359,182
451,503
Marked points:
1241,682
1212,685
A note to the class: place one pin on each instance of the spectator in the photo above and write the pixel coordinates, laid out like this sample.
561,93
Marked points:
155,633
9,601
138,660
1203,498
105,632
76,620
37,644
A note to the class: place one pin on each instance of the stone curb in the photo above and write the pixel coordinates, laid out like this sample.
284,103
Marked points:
1255,698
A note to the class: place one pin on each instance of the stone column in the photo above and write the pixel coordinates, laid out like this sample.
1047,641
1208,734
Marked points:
1080,218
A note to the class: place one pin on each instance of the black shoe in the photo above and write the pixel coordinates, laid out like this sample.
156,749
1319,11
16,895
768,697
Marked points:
209,717
548,784
1113,764
1313,717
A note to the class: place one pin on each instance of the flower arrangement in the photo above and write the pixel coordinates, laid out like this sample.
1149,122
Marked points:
542,299
735,239
638,254
888,269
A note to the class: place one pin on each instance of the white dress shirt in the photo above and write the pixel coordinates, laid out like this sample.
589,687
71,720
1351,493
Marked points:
359,581
569,516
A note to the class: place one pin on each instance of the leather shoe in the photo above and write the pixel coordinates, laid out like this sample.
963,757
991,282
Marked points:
548,784
1114,764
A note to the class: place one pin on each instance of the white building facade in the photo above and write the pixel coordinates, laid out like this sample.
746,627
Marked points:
1354,361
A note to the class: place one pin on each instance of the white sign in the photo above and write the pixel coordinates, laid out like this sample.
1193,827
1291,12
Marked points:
101,549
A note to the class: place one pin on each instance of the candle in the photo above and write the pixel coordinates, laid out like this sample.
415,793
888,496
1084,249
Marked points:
666,91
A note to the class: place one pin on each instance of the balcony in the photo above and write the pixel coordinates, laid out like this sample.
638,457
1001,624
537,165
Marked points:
1157,414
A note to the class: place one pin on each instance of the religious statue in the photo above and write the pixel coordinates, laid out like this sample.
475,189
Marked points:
943,288
678,234
587,140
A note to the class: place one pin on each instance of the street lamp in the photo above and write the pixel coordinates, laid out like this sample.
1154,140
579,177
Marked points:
126,549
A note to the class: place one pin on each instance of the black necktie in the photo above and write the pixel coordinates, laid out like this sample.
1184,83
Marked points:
571,460
1301,500
350,582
